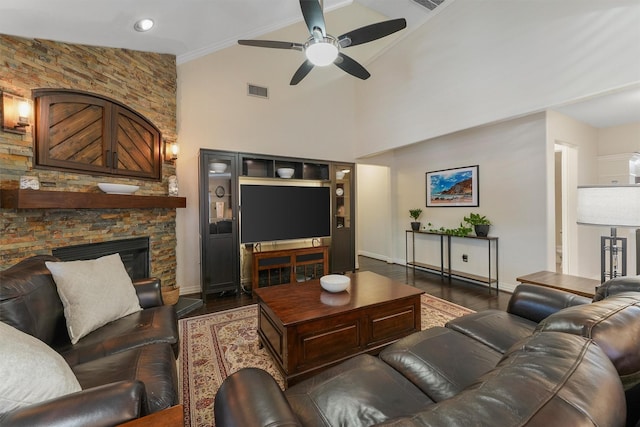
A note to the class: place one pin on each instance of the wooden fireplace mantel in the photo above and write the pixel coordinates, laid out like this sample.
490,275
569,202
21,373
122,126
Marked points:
38,199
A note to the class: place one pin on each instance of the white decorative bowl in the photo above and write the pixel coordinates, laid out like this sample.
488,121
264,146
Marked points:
285,172
218,167
339,174
118,188
334,282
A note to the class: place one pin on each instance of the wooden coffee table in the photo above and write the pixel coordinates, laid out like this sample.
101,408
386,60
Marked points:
307,329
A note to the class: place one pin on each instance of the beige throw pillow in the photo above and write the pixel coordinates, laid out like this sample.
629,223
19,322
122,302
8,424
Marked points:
93,293
30,371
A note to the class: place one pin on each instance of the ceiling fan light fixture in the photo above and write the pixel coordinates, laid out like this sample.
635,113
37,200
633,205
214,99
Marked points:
321,52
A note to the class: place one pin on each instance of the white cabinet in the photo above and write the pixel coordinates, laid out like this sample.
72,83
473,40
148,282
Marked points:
619,169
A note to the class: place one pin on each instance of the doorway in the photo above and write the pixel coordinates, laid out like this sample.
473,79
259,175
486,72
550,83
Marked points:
566,230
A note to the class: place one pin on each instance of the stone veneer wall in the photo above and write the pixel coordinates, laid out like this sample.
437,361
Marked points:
146,82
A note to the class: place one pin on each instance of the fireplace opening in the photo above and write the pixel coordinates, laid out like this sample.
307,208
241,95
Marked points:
134,254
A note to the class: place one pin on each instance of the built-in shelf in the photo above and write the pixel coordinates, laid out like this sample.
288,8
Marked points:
38,199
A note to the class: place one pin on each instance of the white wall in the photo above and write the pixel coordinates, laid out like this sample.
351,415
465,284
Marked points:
512,177
374,211
619,139
477,62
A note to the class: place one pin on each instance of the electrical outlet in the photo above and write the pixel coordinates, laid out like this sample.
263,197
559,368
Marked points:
465,258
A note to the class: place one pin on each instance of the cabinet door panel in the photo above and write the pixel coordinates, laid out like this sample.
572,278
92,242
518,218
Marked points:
220,256
137,146
72,132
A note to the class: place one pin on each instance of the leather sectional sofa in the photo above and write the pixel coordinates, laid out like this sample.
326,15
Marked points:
126,368
551,359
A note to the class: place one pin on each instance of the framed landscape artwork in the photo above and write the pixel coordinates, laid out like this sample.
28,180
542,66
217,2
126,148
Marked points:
453,187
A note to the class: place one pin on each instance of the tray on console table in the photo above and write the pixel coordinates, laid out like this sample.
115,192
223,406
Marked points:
38,199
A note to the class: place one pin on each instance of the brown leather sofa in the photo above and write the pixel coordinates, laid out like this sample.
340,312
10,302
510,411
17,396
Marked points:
126,368
551,359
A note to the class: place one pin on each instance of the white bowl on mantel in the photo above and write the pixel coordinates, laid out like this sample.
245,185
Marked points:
334,282
285,172
118,188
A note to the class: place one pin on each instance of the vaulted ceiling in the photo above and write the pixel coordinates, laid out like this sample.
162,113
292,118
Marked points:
193,28
185,28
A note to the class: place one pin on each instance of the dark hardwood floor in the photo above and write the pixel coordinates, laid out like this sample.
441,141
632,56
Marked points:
475,297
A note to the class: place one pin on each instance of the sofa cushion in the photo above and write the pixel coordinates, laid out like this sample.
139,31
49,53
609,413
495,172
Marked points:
440,361
359,392
153,365
31,371
151,325
29,300
93,293
494,328
549,379
614,323
616,286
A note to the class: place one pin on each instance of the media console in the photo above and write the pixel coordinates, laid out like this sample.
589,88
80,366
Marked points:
288,265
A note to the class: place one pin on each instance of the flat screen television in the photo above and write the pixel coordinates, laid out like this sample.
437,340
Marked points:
283,212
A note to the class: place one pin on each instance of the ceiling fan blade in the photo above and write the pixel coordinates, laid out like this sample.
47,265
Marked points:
371,32
313,16
301,73
272,44
351,66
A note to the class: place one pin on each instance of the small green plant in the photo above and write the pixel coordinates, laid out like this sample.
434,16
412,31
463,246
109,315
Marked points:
476,219
460,231
415,213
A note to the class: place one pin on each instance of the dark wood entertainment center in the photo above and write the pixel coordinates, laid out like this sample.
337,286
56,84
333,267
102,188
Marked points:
220,176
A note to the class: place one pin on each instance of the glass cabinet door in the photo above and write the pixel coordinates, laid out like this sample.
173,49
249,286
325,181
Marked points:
343,234
220,253
343,197
220,192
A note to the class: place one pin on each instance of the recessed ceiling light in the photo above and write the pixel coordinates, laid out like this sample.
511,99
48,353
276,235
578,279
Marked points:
143,25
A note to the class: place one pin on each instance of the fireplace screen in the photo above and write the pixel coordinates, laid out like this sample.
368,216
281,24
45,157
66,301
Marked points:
134,254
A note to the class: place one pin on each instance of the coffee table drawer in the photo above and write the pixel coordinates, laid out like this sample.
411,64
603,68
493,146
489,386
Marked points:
392,324
326,340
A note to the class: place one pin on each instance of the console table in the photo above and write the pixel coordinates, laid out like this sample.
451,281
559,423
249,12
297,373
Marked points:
280,266
446,240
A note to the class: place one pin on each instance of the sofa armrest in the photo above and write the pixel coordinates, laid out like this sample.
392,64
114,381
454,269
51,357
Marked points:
106,405
251,397
535,302
149,292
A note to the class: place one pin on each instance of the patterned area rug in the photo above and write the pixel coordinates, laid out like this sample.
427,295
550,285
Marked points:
216,345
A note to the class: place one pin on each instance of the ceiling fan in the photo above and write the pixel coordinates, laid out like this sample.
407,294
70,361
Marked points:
322,49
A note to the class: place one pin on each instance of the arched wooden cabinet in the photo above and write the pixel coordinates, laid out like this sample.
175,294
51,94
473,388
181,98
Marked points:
86,132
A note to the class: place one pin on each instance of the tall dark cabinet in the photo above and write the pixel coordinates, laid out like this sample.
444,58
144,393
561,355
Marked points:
220,250
343,238
222,172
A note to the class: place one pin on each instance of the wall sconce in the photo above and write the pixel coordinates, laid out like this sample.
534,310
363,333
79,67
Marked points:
15,113
171,151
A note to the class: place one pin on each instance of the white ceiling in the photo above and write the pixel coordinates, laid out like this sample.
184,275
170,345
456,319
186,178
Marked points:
193,28
185,28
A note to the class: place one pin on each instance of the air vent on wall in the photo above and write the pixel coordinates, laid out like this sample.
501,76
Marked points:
429,4
259,91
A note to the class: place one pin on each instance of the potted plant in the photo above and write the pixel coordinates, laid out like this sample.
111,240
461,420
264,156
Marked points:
480,224
415,214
